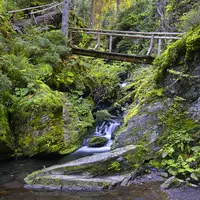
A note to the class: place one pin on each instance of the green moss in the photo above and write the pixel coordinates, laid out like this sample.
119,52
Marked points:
132,112
137,159
115,166
97,142
179,53
37,121
102,115
6,137
169,58
77,118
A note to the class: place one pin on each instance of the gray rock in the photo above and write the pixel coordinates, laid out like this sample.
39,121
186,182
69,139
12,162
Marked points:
172,182
125,181
145,123
80,174
194,110
163,174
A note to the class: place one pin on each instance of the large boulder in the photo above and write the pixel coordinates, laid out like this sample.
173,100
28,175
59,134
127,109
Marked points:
37,122
48,122
143,125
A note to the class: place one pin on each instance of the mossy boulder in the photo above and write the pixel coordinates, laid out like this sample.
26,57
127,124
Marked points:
46,121
77,120
37,122
97,142
102,115
142,125
6,137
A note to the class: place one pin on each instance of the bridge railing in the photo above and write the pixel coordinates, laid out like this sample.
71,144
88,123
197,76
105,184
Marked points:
32,11
152,36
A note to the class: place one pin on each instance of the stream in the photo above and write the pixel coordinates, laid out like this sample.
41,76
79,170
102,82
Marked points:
12,174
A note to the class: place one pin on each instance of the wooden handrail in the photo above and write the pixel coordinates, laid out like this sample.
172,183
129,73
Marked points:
133,36
125,32
30,8
49,8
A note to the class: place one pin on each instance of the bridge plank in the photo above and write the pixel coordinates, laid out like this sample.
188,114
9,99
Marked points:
114,56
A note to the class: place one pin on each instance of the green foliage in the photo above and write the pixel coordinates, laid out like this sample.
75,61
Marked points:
5,88
6,138
106,79
138,158
182,15
36,119
179,53
180,143
115,166
139,17
190,19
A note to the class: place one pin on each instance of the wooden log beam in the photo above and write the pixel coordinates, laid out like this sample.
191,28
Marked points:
114,56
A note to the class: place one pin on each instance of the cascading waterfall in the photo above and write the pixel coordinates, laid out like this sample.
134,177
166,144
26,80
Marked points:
106,130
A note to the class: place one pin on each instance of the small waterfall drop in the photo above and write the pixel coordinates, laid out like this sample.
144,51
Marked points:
105,130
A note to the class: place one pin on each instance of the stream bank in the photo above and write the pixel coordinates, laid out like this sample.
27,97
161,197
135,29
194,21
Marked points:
12,174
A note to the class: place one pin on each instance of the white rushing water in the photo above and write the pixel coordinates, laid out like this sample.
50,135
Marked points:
106,130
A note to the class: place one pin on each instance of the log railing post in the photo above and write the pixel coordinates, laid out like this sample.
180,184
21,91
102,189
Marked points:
110,44
159,46
98,41
150,46
70,38
33,17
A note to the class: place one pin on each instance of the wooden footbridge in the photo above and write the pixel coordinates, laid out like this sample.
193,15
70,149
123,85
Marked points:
107,53
105,37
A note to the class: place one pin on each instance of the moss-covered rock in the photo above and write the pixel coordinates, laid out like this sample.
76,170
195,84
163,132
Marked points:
97,142
37,122
102,115
77,120
167,125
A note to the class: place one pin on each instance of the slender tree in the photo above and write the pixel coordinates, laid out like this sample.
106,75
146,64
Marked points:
117,7
92,16
65,17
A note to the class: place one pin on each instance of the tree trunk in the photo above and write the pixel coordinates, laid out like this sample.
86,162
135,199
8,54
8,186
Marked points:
117,7
92,14
65,18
